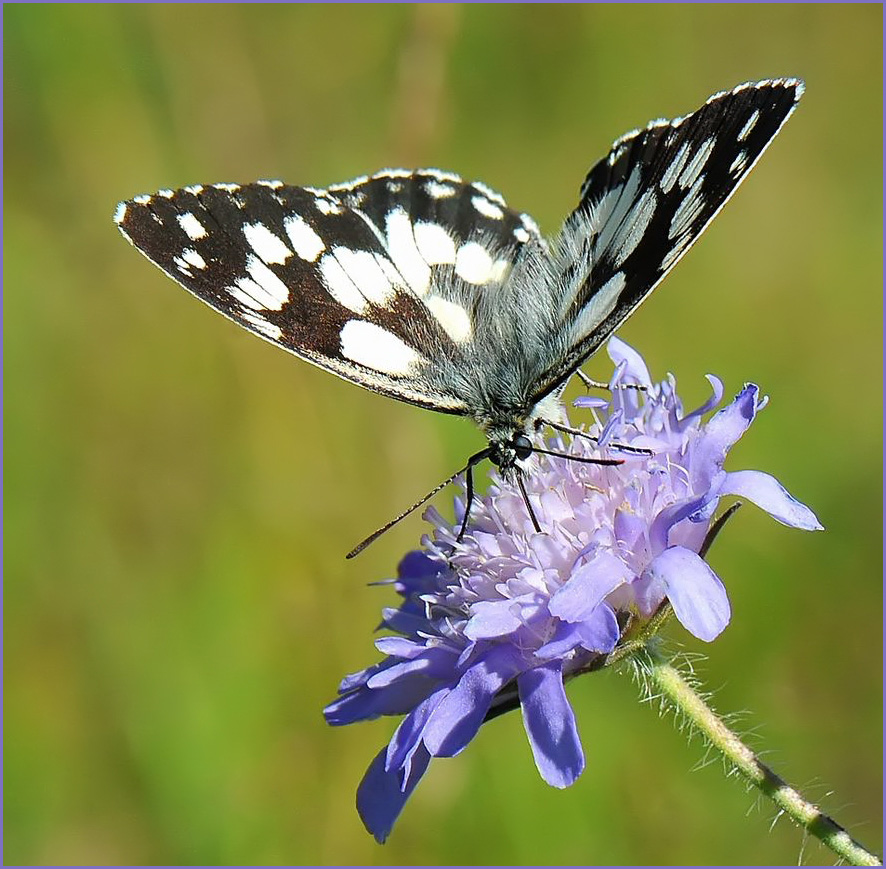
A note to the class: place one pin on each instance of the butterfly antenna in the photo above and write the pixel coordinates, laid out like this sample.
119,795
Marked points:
575,432
584,459
473,460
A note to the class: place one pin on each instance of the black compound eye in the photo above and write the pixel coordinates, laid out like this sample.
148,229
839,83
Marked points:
522,446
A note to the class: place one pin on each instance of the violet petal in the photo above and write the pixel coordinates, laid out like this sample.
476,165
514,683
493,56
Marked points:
694,590
636,370
457,719
550,725
720,433
599,632
587,586
768,494
382,795
496,618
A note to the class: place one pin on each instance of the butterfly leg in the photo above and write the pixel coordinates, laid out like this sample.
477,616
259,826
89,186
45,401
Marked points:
528,504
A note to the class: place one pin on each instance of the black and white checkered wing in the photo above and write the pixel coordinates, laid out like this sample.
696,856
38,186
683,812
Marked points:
375,280
645,204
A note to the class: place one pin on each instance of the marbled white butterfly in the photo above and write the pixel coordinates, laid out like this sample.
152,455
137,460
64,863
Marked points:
426,288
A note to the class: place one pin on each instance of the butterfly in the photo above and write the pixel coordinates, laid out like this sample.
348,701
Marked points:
429,289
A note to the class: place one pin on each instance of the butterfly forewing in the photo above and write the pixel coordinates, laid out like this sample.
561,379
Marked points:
373,279
647,202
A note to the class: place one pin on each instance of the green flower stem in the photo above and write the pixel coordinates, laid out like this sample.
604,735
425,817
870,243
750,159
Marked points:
664,679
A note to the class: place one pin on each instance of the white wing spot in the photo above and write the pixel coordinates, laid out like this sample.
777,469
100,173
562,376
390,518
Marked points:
120,212
687,210
182,266
340,286
405,254
440,175
452,317
529,225
305,242
436,190
273,184
374,347
599,307
192,227
617,152
276,292
670,176
366,273
473,263
697,164
193,258
739,163
142,199
488,192
680,246
521,234
249,294
608,215
487,208
194,189
637,222
434,243
266,243
327,206
745,131
269,330
166,193
228,188
391,273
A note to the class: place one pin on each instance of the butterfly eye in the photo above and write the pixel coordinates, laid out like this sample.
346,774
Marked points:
522,446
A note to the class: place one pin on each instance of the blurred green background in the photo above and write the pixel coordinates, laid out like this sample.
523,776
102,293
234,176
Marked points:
179,495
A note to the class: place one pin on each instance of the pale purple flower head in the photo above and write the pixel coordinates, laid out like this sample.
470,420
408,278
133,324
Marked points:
505,615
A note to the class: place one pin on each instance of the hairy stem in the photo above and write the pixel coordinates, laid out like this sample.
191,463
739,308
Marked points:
665,679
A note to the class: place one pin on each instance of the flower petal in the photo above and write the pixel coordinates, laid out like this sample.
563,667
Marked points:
495,618
635,370
455,722
550,725
720,433
694,590
411,729
660,529
382,795
590,401
599,632
587,587
710,404
566,637
768,494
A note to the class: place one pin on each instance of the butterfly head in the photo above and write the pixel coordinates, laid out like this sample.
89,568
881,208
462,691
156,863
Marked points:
506,452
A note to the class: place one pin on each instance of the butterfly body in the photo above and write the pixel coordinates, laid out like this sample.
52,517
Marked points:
427,288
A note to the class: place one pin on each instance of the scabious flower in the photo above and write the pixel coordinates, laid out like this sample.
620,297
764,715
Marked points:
505,615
